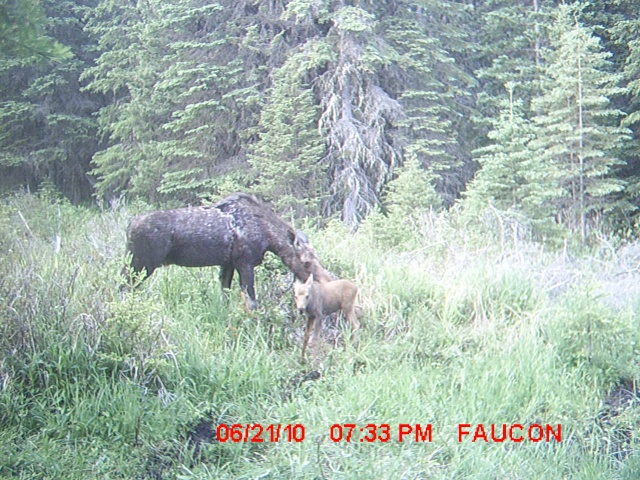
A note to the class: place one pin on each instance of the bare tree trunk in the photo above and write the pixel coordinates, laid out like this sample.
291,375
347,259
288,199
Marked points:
583,213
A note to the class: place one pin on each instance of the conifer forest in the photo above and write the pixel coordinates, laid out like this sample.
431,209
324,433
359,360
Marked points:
473,166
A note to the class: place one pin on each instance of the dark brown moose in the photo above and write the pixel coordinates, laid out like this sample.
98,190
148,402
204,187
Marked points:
234,233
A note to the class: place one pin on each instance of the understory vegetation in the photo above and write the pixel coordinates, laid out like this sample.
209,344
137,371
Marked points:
471,165
458,328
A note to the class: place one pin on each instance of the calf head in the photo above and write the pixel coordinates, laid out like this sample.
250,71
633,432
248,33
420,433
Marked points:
302,293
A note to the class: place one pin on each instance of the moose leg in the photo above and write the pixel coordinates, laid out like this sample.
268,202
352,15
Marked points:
247,284
226,275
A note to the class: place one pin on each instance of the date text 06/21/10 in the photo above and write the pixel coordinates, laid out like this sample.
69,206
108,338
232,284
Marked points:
383,432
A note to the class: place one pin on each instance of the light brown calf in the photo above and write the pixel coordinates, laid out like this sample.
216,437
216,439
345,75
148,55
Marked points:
317,300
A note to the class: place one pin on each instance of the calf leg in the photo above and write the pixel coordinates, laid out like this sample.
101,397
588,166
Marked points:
317,329
307,331
355,326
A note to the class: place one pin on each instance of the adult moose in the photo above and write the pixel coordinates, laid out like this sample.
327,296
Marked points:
233,233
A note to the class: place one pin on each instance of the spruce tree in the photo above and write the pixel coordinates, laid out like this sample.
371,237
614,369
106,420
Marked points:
577,128
189,80
389,87
513,176
186,79
47,128
286,159
356,112
412,191
511,35
427,36
123,73
623,25
407,198
23,36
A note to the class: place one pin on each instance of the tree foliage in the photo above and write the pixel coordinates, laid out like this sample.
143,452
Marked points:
47,129
579,129
514,175
219,91
406,200
287,156
316,103
23,38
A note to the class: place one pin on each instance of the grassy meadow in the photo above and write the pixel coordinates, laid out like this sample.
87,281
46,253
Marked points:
464,323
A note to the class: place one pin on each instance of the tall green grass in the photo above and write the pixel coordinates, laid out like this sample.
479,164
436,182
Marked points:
95,383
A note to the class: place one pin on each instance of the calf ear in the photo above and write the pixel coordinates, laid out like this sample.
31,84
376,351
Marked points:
309,280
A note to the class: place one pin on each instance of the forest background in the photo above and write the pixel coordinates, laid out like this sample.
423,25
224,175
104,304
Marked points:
527,107
472,165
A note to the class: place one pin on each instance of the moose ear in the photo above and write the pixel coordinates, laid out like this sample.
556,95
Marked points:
301,236
309,280
299,239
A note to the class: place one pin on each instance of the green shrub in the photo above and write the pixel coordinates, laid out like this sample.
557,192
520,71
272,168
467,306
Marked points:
600,343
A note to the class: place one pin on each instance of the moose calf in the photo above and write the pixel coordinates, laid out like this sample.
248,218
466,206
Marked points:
317,300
